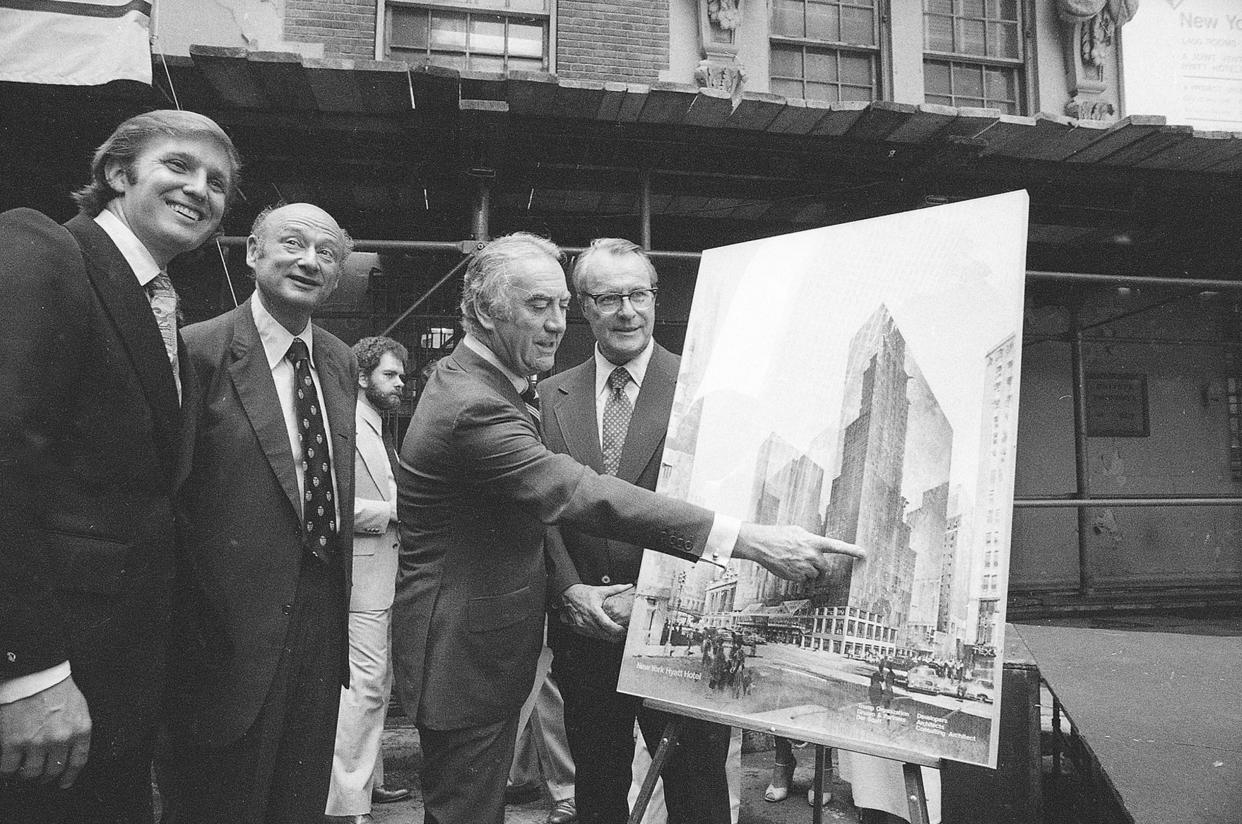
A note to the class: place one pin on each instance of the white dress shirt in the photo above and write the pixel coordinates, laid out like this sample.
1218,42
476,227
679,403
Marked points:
276,341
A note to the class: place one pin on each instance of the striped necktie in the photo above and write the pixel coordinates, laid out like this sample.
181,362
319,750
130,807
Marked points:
530,397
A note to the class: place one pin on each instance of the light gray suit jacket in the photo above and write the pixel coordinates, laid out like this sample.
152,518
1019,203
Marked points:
375,533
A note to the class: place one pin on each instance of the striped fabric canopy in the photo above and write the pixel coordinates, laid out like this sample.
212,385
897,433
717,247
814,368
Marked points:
81,43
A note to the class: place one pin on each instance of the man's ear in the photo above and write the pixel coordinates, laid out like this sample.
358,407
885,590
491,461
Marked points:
487,318
252,251
363,381
116,175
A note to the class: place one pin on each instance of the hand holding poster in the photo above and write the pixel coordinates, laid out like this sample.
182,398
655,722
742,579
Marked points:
860,381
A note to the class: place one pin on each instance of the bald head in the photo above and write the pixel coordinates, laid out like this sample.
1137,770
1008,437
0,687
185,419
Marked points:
297,252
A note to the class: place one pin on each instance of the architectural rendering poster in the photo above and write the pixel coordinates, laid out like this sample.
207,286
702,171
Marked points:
860,381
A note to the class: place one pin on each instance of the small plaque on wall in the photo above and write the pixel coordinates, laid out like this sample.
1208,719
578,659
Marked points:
1117,405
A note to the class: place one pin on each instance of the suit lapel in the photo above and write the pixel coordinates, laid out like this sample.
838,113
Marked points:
649,423
124,301
339,396
252,377
372,460
575,414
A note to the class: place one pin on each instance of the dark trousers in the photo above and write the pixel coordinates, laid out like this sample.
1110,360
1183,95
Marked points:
599,722
464,772
106,792
278,772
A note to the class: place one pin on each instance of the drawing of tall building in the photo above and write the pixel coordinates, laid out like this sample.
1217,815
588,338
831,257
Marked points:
865,504
993,508
788,487
927,529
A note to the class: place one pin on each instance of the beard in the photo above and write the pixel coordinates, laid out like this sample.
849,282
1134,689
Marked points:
383,401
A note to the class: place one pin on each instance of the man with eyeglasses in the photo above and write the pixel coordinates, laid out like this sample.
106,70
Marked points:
611,413
475,491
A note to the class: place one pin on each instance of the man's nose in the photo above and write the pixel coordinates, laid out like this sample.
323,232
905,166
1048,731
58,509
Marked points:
556,319
195,183
626,309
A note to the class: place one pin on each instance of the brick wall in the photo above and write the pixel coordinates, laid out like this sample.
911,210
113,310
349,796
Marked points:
345,27
612,40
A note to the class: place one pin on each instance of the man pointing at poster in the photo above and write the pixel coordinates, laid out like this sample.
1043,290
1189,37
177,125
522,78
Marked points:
475,491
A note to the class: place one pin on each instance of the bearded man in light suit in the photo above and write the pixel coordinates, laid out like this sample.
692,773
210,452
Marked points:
476,490
357,763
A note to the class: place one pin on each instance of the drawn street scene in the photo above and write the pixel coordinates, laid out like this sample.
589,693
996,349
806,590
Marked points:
860,381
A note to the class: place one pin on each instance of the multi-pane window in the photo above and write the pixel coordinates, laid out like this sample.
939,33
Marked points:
825,49
974,53
483,35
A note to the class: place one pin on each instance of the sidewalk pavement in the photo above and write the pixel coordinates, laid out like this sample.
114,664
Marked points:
403,758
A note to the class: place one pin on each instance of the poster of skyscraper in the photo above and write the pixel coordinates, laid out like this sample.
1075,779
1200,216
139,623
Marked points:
860,381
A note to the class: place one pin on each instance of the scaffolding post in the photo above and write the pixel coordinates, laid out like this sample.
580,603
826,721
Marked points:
1082,467
644,207
482,211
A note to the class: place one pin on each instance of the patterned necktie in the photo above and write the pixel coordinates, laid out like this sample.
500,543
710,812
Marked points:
164,306
617,412
318,514
530,397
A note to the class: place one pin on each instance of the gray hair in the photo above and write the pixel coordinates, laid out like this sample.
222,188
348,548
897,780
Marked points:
490,271
612,247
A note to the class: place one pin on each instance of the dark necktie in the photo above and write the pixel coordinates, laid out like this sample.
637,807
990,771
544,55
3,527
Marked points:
164,306
318,513
530,397
617,412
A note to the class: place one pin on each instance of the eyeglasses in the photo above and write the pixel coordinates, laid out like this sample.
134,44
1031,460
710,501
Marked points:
609,303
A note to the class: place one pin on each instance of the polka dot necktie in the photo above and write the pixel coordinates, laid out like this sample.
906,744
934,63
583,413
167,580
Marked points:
617,412
318,513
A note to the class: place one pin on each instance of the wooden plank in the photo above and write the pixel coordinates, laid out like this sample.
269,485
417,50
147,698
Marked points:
840,117
483,85
710,109
1009,130
610,102
799,116
1117,137
531,92
437,89
755,111
1051,138
878,120
1229,164
928,120
228,74
1202,151
365,86
578,99
283,80
970,122
632,105
334,83
667,103
1158,141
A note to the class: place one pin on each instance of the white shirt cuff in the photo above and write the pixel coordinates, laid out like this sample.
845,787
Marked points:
24,686
720,540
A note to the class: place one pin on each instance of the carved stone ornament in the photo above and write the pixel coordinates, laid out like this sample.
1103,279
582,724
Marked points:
1089,29
719,22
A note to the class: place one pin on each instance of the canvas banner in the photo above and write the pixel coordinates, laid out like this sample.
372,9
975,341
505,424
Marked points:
860,381
80,43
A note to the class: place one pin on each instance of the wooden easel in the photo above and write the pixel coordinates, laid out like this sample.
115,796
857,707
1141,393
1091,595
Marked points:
916,797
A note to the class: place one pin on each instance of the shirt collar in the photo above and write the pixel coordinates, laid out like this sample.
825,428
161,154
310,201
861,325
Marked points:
636,366
131,248
484,351
276,339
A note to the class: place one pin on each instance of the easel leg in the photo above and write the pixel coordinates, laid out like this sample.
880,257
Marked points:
915,796
817,785
667,741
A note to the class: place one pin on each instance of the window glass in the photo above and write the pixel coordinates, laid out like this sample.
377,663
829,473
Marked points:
448,31
823,21
410,30
787,18
858,26
526,40
487,35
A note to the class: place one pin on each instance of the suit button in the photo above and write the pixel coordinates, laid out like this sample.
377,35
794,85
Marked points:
287,609
605,580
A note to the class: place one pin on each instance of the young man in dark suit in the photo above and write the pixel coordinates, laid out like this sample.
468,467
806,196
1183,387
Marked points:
611,413
269,508
93,381
475,491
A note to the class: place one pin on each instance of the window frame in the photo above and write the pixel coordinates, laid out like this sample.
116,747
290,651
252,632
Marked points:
882,51
469,8
1025,63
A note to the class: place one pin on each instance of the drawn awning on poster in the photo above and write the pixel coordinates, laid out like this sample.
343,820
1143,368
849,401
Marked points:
860,381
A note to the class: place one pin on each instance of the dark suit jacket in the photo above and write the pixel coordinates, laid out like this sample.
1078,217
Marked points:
89,460
476,489
567,401
244,535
